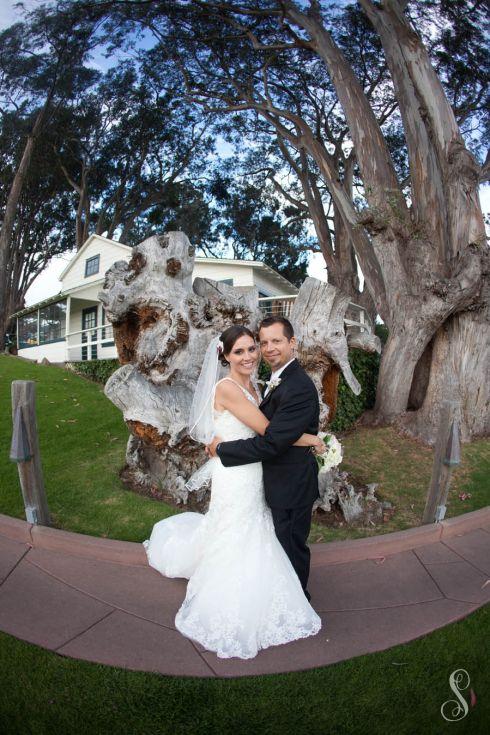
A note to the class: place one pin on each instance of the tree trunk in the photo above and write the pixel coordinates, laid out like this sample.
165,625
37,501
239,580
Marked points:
459,369
431,256
9,220
346,277
401,353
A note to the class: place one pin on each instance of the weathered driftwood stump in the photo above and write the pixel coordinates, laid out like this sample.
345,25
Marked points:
318,320
163,324
162,327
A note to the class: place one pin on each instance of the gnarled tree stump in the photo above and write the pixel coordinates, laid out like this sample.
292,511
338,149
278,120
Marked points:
163,324
162,327
318,321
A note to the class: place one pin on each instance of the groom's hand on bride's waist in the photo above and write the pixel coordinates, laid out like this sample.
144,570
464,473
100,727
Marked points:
211,447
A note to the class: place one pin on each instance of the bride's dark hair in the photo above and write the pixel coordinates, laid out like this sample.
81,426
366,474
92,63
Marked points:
229,337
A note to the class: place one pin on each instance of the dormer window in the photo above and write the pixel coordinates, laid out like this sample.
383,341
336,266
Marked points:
92,265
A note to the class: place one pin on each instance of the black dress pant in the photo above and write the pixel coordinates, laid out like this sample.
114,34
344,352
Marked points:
292,526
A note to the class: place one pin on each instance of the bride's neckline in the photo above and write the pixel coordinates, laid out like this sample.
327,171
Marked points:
240,386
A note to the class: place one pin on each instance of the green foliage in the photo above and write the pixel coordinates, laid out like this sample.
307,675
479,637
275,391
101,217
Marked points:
98,370
264,370
365,367
381,330
250,218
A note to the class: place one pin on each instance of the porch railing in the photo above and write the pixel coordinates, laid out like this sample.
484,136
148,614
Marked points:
356,317
94,337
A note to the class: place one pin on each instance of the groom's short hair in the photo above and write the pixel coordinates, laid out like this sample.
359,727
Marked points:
287,327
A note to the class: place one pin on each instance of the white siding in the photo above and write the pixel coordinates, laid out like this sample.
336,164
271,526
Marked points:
77,305
109,253
53,351
90,293
76,309
241,275
104,352
107,353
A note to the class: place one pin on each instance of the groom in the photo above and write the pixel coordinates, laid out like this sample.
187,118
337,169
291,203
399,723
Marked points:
290,402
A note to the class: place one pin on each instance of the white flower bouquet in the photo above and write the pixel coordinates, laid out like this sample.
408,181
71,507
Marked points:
332,456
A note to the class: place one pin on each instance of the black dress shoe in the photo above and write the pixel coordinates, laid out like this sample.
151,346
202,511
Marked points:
307,594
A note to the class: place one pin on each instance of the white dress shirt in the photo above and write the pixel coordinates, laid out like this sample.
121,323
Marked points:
276,374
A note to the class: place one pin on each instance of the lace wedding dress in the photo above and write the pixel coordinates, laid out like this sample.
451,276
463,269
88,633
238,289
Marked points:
243,594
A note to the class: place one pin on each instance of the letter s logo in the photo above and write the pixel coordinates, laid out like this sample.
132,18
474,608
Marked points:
462,706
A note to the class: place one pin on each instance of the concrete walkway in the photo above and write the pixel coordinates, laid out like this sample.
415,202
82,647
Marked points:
97,599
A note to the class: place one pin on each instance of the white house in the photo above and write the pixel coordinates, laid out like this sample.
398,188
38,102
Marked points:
71,325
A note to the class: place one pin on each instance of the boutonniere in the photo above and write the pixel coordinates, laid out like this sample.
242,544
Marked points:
272,383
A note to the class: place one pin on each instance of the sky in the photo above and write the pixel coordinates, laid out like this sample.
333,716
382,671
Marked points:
9,14
47,284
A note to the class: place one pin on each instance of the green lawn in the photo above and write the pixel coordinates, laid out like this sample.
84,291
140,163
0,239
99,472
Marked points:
403,469
83,440
400,691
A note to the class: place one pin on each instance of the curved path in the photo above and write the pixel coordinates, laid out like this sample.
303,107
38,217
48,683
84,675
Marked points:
97,599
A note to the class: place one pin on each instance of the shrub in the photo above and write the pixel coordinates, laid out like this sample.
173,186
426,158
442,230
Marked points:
97,370
365,366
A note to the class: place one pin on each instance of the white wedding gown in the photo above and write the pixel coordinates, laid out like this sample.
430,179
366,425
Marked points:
243,594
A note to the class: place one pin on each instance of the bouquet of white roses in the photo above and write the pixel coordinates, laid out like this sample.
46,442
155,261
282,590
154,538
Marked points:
332,456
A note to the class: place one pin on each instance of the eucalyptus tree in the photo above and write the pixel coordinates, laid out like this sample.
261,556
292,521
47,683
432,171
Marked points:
422,253
41,65
131,147
44,222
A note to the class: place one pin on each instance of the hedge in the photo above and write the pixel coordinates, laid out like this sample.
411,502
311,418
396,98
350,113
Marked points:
98,370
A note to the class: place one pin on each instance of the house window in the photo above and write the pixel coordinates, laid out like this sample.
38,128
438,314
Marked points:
27,326
52,322
228,281
106,335
92,265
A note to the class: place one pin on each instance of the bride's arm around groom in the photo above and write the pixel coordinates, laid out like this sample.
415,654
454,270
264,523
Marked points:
294,408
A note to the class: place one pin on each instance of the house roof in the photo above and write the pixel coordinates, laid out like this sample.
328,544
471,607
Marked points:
34,307
85,245
255,264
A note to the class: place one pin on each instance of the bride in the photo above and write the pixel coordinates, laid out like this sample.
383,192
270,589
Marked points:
243,593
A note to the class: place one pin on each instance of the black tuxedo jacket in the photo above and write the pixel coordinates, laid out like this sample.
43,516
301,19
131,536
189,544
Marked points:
290,473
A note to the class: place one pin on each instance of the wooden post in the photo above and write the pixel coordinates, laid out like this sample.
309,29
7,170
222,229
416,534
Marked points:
26,452
446,455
